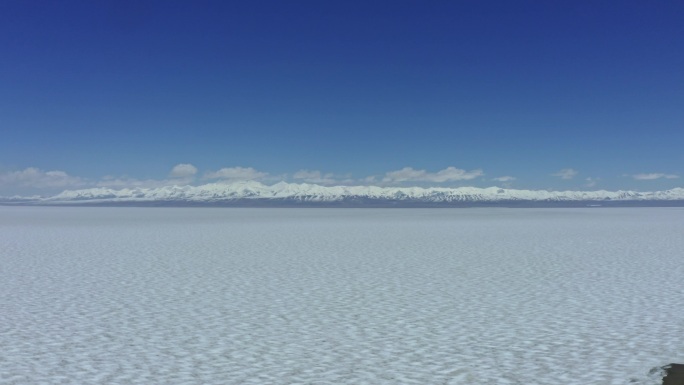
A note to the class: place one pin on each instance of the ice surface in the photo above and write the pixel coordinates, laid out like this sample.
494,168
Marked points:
339,296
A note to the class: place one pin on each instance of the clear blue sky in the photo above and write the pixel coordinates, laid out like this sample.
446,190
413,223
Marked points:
126,90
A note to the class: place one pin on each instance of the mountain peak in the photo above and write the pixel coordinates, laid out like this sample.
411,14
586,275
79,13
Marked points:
253,191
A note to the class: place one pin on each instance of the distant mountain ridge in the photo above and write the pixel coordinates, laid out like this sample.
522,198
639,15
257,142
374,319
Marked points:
251,192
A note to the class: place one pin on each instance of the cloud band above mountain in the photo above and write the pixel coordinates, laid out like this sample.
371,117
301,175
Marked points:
33,180
449,174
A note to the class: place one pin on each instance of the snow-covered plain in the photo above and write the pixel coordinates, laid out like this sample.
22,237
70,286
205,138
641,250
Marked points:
339,296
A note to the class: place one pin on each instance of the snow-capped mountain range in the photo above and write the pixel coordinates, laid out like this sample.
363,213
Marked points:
251,192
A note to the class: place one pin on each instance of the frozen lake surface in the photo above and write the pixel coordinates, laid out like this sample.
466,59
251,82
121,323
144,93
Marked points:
339,296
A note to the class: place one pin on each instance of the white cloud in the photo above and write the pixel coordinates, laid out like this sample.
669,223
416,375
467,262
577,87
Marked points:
235,173
183,170
504,179
313,176
33,177
180,174
449,174
306,174
591,182
566,173
126,182
655,175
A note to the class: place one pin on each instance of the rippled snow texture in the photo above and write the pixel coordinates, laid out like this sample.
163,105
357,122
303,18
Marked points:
339,296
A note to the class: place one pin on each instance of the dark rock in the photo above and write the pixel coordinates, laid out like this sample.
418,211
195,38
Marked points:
674,374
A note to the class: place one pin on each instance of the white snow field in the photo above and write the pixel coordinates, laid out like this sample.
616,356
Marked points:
339,296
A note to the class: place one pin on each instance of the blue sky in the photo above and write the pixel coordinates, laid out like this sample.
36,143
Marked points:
546,95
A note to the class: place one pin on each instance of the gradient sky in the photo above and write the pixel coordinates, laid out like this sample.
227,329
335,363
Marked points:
549,95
